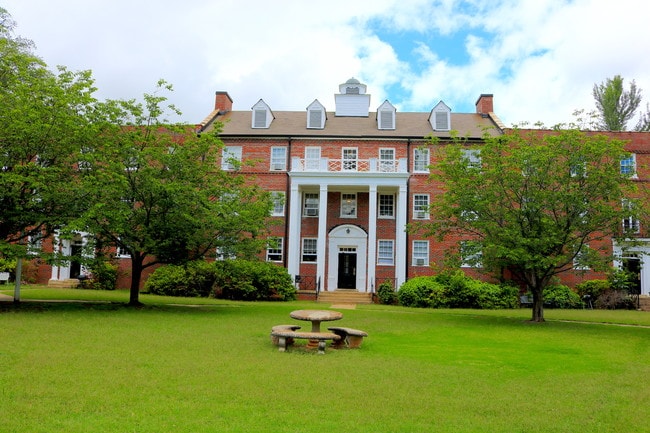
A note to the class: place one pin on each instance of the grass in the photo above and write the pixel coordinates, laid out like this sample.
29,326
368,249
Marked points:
194,365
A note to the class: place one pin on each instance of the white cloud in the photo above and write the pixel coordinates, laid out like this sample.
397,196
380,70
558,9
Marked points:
539,59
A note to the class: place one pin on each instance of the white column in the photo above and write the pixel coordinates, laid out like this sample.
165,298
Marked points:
56,248
400,237
293,243
372,239
322,237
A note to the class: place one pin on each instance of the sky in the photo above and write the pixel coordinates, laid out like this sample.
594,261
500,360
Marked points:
539,58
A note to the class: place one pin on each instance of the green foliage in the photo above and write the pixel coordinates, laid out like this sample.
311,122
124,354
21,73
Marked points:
456,290
193,279
7,265
561,296
593,288
532,224
386,293
615,105
417,291
252,281
103,275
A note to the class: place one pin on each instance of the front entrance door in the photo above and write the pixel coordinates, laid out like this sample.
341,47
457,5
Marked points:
633,266
347,270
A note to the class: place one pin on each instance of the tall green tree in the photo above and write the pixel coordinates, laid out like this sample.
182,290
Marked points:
615,105
158,194
534,204
45,119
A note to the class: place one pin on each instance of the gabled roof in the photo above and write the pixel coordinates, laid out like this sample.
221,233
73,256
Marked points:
408,124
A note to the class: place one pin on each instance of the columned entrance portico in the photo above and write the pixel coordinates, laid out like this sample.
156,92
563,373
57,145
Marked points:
346,253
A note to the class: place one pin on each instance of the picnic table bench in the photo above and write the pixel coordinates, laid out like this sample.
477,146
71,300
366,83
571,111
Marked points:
286,336
350,336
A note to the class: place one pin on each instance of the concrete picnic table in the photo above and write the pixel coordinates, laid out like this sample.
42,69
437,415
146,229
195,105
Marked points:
315,317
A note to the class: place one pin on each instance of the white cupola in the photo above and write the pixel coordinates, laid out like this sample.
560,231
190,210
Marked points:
352,101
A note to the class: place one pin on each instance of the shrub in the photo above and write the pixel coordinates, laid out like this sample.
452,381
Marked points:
104,275
615,300
465,292
386,293
561,296
417,292
194,279
252,281
592,288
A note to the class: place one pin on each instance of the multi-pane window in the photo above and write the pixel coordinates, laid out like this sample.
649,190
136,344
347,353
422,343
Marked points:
312,158
310,205
278,203
386,206
470,254
385,252
309,249
628,165
348,205
231,157
350,158
472,157
274,251
387,160
420,253
581,259
630,223
421,160
35,243
421,206
278,158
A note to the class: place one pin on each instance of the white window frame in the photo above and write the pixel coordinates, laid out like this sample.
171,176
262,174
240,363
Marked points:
309,250
348,205
421,160
386,118
421,209
312,158
228,154
630,223
311,203
420,253
628,166
347,162
278,158
279,200
470,260
472,158
384,206
576,260
387,161
275,253
385,252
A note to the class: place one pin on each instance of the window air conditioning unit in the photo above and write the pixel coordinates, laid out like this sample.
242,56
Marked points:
311,212
277,167
419,262
420,215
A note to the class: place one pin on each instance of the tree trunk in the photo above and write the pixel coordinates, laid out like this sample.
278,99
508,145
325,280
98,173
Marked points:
136,275
538,304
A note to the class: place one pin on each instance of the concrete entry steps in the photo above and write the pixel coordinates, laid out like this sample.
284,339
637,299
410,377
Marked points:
345,296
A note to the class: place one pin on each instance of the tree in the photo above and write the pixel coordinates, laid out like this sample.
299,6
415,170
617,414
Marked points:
538,203
615,105
45,119
158,195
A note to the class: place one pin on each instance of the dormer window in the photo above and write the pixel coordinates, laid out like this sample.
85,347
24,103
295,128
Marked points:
440,117
386,116
316,115
262,115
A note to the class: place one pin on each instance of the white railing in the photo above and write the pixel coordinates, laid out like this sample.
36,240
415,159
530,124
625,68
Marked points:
372,165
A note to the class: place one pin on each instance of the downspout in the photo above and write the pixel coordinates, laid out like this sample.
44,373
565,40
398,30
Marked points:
408,194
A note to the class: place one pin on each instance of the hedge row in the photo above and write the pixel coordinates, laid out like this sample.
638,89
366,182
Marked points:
228,279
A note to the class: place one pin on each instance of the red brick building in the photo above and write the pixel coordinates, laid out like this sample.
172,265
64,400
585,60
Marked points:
348,181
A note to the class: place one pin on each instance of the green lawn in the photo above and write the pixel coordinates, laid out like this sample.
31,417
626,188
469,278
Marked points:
209,366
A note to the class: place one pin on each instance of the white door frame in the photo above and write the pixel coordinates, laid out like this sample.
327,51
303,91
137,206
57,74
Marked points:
347,236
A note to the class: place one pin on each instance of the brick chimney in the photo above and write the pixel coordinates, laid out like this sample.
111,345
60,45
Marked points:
222,102
485,104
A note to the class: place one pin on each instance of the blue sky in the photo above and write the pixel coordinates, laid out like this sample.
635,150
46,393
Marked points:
539,58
